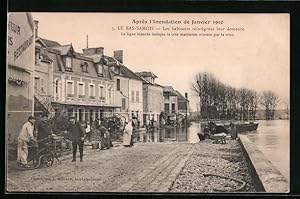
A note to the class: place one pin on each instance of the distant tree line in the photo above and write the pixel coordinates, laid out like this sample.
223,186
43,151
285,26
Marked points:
221,101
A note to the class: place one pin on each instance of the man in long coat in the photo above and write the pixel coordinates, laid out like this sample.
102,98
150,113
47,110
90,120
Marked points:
76,135
43,132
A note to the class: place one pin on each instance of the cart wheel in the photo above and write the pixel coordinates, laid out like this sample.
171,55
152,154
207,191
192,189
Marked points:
49,161
206,136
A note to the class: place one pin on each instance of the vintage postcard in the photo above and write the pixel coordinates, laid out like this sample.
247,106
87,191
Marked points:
148,102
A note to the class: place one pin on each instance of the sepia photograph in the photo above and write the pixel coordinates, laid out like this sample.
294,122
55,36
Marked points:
108,102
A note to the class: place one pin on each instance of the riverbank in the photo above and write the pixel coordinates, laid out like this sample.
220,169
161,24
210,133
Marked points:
220,160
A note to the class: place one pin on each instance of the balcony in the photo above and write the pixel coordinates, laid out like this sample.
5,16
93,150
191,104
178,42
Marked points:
92,97
81,96
102,98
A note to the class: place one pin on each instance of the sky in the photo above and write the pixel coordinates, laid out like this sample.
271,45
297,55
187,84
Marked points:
257,58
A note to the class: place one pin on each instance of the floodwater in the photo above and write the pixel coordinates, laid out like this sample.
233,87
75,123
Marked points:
271,137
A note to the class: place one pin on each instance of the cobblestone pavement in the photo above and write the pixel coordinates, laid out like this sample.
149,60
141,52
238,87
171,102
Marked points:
221,160
142,168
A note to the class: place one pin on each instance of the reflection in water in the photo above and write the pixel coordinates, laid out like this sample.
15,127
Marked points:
178,134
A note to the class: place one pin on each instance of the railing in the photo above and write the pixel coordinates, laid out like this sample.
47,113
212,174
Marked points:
92,97
46,102
81,96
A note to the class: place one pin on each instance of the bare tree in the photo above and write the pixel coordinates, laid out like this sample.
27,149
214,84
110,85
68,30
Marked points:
254,98
269,100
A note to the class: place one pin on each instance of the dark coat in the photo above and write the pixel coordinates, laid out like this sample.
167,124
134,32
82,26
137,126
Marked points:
75,132
43,130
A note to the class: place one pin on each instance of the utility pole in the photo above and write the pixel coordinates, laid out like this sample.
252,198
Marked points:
87,41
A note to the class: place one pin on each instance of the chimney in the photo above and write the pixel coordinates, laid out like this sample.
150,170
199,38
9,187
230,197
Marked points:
118,55
36,28
186,96
93,51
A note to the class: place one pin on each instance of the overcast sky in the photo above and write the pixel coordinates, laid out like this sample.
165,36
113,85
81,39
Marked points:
256,58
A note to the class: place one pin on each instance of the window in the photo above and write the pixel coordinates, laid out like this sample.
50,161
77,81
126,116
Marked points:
123,103
137,96
36,85
118,85
92,91
109,95
132,96
167,108
81,93
70,88
68,64
84,67
167,96
101,92
57,89
173,108
100,70
42,86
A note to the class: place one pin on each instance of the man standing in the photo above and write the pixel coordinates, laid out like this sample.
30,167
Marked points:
43,132
25,136
76,135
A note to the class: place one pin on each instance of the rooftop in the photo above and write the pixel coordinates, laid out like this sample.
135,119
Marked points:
170,89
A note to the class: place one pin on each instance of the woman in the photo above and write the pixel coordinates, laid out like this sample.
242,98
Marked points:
127,134
88,131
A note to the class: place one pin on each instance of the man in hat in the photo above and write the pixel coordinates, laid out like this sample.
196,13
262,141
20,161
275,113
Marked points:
25,136
43,131
76,135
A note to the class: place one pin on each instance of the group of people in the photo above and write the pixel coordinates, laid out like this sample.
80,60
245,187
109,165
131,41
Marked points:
74,132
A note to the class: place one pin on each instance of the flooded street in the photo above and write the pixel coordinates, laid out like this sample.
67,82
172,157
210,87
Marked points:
273,139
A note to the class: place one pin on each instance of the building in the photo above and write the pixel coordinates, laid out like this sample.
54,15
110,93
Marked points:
128,88
153,99
43,76
20,72
183,104
170,100
79,85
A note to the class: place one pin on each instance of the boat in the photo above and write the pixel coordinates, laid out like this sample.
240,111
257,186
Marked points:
247,126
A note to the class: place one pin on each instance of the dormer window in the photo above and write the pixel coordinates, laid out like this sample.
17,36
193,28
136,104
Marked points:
117,69
84,67
100,70
68,64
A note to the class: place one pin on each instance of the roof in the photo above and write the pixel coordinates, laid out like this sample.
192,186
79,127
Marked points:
63,49
147,82
50,43
124,71
170,89
95,57
146,74
180,96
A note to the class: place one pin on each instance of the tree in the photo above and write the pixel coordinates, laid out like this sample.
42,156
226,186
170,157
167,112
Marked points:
269,100
254,98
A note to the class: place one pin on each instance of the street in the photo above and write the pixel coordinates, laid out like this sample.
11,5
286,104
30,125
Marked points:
144,167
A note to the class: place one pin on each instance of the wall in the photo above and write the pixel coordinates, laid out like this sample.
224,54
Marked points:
136,106
172,100
45,71
20,57
124,87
